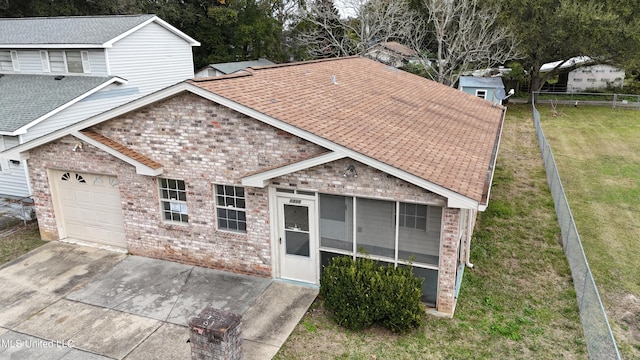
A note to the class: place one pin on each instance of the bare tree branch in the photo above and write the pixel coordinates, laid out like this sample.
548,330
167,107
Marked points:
466,37
367,22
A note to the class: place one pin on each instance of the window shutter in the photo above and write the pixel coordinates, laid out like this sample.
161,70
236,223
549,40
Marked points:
86,65
14,60
44,58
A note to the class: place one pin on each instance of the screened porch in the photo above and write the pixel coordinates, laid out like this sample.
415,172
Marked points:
393,232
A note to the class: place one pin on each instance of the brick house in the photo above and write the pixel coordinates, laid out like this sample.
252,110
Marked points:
275,170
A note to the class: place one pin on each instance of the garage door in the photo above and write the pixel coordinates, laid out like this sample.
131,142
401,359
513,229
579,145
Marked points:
91,207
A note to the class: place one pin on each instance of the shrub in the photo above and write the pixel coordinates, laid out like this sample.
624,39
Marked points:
361,293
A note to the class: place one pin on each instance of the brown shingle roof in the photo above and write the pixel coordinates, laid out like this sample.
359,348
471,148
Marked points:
122,149
399,48
416,125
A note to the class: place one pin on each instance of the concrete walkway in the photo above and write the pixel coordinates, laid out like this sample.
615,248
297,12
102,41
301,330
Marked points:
67,302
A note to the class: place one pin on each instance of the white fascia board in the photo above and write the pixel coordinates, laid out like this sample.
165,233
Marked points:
160,22
454,199
22,150
51,46
141,168
23,130
261,180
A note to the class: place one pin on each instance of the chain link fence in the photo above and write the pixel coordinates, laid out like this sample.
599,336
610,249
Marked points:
597,332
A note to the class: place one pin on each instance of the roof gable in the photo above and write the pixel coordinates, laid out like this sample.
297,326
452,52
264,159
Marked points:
481,82
75,31
30,98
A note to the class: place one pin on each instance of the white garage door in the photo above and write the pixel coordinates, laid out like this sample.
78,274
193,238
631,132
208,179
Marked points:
91,207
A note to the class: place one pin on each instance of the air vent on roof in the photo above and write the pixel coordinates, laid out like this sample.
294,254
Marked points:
59,77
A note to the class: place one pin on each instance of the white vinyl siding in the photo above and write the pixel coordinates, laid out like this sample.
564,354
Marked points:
13,178
4,163
151,58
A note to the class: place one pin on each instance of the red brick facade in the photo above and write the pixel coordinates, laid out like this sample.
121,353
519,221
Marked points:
205,144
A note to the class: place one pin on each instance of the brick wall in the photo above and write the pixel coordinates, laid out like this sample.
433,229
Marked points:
196,141
206,144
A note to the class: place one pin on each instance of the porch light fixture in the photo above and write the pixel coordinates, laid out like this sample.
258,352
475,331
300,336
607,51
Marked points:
77,146
350,171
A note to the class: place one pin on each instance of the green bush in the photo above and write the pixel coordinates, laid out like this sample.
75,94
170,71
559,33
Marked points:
361,293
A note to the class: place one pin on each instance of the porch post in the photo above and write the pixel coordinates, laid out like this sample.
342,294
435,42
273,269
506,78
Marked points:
448,261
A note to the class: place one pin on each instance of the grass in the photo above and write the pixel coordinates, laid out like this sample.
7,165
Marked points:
597,150
19,243
517,302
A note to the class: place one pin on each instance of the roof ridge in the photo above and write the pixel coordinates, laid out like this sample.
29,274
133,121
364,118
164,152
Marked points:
239,73
298,63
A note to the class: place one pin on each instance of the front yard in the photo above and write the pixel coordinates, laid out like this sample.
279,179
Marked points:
517,302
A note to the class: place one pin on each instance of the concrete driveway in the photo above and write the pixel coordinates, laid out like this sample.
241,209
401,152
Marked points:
65,301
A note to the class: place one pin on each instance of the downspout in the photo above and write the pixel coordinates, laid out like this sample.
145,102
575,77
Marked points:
467,262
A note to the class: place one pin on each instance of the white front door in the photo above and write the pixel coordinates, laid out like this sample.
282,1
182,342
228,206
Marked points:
297,241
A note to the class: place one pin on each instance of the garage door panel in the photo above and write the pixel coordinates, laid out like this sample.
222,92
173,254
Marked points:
91,207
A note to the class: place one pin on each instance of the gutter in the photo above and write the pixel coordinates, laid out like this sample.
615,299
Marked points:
483,205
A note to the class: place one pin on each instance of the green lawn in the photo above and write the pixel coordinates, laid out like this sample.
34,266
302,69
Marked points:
597,150
517,302
19,243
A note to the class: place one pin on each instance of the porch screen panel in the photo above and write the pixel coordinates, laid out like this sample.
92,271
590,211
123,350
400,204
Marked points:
429,285
336,222
419,233
375,227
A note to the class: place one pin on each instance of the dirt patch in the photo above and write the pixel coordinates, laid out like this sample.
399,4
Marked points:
625,315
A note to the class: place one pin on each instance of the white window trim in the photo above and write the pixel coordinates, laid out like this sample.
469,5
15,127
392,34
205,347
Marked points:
44,58
483,92
86,64
218,206
178,201
14,60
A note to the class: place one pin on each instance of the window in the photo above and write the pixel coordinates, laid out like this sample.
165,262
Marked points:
481,94
591,80
577,80
230,208
173,200
413,216
9,60
76,62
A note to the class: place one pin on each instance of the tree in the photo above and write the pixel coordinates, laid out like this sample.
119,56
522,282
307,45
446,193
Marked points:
558,30
463,35
364,23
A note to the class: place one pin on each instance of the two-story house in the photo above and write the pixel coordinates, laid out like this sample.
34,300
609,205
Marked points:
58,71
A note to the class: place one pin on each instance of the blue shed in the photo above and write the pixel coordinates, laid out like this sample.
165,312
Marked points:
488,88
